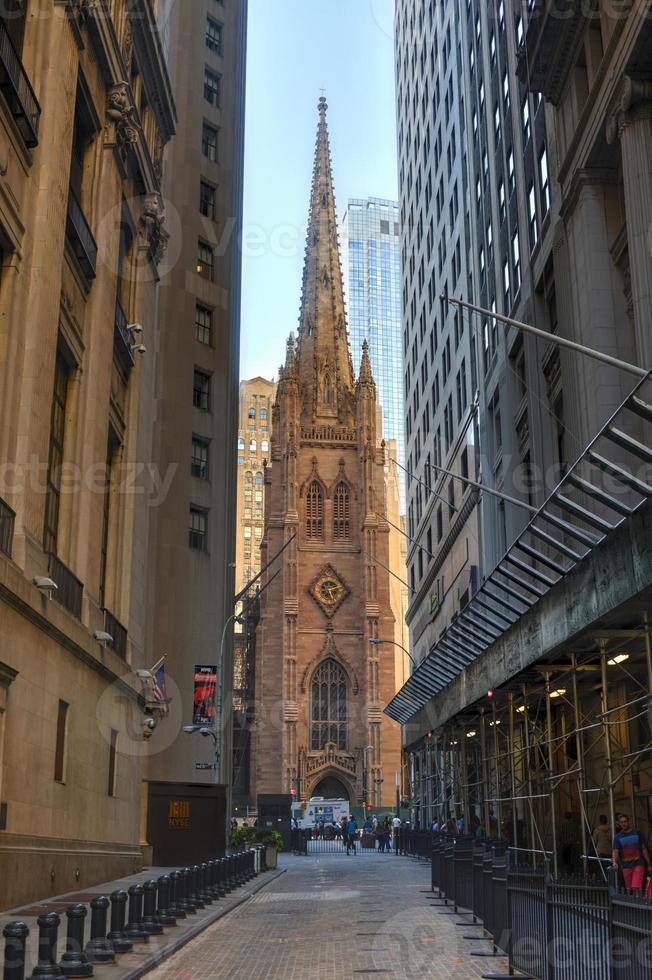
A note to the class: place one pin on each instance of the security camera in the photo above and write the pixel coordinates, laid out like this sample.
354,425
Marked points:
45,585
139,349
145,675
103,637
135,328
148,727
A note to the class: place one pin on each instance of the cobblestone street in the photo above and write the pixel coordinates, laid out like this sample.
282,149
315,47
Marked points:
336,917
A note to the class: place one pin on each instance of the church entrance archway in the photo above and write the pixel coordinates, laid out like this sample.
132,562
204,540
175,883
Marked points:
331,788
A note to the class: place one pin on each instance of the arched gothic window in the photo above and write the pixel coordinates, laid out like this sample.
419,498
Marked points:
341,512
328,715
259,479
315,512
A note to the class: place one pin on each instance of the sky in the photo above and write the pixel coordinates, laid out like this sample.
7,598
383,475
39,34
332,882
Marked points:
295,48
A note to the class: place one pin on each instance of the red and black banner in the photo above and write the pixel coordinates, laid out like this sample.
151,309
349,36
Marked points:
204,695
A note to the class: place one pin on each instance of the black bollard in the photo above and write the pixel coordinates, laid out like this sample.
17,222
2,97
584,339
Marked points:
176,896
230,872
233,871
150,923
195,892
205,887
134,930
163,913
118,936
221,877
188,903
213,879
47,967
74,962
15,934
98,947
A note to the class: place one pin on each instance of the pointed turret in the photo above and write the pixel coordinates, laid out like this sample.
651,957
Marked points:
366,376
324,358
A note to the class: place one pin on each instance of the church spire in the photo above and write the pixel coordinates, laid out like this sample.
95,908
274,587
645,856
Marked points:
324,357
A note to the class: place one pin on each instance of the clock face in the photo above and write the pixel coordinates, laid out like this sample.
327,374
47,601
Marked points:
328,590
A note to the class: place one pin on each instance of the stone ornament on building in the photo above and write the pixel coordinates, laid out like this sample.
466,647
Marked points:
83,9
634,102
150,225
121,118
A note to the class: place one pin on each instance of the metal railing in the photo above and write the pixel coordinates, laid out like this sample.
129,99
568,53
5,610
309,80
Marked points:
115,629
18,90
69,590
572,928
122,340
7,518
80,237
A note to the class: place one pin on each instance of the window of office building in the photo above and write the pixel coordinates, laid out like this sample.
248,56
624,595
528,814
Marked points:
213,35
209,142
212,87
205,260
199,459
113,755
201,390
207,199
203,324
532,217
60,743
198,529
55,462
545,181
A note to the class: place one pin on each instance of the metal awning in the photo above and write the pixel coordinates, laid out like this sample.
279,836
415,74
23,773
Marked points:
602,489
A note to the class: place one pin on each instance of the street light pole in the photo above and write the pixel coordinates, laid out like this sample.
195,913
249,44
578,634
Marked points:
377,643
398,794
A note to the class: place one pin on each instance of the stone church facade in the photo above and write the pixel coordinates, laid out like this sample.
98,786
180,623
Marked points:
321,685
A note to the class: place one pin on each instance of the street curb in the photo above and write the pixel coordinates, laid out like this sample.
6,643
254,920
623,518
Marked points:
175,946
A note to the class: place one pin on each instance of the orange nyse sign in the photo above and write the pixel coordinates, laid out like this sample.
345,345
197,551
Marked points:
179,814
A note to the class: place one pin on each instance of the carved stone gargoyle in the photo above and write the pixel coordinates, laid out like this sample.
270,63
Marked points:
150,225
121,117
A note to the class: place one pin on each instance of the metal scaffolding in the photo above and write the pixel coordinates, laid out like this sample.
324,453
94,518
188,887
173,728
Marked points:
570,736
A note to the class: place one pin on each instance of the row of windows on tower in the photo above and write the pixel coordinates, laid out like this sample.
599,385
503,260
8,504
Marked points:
315,512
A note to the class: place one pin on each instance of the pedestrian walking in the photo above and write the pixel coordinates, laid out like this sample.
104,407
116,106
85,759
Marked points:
396,824
602,838
351,834
387,835
630,854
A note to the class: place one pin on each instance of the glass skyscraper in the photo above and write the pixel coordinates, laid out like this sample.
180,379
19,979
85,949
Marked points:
372,273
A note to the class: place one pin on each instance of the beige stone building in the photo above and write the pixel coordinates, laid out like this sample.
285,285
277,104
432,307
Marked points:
254,453
321,685
193,581
84,118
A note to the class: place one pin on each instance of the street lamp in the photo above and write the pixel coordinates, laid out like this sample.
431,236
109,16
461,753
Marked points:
377,643
207,732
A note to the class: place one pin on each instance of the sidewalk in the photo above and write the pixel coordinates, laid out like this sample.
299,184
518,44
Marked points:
144,956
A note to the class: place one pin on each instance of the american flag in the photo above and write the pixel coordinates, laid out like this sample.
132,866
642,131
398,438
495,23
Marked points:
158,686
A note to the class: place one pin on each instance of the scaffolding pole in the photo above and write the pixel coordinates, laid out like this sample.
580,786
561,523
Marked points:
607,731
551,768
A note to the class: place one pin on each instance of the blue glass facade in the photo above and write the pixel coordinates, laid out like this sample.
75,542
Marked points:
372,273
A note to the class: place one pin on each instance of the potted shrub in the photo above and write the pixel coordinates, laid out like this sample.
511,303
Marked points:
273,843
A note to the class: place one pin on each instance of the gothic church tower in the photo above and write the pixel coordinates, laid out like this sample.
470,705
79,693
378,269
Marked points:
321,686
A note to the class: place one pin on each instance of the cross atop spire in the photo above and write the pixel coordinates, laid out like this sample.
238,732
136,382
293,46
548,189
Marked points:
325,365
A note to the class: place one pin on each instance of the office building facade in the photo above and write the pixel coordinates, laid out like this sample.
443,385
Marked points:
555,203
84,122
371,241
193,579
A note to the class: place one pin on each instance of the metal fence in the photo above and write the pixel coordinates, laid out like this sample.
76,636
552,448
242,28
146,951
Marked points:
576,928
306,842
